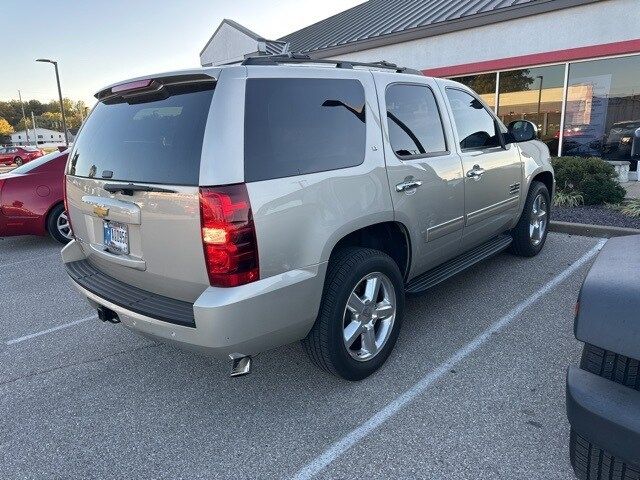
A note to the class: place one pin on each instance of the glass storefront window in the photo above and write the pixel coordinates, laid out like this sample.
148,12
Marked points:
534,94
483,84
603,109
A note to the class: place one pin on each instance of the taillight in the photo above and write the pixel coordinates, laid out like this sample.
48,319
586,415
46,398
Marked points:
228,235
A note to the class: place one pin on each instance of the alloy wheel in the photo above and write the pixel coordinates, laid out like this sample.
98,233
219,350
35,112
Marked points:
538,220
369,316
63,226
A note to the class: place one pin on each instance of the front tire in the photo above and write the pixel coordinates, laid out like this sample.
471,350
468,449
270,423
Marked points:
360,314
58,225
18,161
530,233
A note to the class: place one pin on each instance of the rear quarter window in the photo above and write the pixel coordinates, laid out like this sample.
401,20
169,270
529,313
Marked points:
298,126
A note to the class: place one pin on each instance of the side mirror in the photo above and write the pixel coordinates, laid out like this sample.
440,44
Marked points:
522,131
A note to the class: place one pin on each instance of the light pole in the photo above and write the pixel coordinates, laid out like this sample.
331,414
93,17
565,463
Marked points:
64,121
540,99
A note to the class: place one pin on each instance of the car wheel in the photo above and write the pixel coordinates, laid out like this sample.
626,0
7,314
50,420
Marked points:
588,460
58,224
360,314
18,161
530,233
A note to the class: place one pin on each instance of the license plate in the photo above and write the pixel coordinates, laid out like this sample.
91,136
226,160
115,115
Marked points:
116,237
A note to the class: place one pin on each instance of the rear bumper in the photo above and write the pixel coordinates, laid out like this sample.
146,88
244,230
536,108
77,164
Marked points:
605,413
248,319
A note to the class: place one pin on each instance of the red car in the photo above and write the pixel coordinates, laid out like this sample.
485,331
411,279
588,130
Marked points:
31,199
19,155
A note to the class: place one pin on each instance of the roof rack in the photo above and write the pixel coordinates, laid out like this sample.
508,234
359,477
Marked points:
302,58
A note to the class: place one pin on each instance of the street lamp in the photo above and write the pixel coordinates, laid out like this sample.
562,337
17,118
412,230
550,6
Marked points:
64,121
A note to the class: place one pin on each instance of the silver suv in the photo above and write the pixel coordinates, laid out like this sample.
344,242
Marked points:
233,210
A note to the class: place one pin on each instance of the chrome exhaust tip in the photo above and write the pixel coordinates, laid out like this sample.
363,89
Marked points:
240,364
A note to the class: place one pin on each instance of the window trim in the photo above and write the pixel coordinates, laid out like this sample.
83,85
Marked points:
491,114
298,174
442,153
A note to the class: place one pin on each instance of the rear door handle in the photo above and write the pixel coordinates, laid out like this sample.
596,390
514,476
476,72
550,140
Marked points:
476,172
408,185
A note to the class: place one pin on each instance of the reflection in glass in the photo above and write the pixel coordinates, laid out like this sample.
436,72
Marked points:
603,109
534,94
414,123
483,84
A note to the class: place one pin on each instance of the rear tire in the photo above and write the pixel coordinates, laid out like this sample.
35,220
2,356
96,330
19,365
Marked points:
350,308
58,224
528,239
18,161
588,460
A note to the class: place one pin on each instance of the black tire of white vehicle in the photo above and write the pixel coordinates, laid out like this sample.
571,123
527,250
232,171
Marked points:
523,244
326,344
588,460
52,224
18,161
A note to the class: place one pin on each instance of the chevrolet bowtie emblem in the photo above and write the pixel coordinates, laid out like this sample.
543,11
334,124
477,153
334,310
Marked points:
100,211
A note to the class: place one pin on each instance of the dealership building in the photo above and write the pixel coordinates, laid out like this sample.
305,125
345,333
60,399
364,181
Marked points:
571,66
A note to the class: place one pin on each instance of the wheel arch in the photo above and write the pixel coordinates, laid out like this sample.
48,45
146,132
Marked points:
390,237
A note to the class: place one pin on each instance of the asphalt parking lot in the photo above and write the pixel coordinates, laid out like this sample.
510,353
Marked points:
474,389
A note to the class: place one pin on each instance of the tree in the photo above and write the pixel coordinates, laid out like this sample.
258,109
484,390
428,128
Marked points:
5,127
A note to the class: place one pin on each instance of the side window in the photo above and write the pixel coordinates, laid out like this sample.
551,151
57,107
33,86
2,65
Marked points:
415,127
476,127
295,126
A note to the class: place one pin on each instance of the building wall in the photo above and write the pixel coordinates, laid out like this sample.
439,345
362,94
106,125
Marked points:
229,45
593,24
20,138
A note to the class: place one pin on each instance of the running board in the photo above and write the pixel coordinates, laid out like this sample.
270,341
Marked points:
456,265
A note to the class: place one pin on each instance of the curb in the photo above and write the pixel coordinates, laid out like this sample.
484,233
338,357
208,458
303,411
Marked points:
590,230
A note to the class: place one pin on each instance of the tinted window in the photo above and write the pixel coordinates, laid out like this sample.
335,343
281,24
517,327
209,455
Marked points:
414,122
475,126
157,141
299,126
483,84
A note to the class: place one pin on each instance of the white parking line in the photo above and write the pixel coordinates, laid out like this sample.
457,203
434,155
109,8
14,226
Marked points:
352,438
19,262
50,330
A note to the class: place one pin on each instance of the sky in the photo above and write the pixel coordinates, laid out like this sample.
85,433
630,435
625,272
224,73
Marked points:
101,42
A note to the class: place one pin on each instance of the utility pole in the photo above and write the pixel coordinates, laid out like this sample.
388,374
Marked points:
24,117
35,132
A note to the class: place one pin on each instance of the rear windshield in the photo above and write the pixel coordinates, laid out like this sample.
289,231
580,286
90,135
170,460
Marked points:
157,141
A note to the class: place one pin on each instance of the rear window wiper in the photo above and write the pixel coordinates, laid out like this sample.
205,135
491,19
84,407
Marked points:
129,188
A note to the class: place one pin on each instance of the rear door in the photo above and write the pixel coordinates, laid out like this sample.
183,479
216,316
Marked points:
492,171
424,170
148,137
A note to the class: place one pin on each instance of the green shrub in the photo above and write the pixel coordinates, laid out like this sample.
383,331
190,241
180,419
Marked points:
630,208
567,199
593,178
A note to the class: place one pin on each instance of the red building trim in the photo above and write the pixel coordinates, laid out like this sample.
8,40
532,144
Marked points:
570,54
